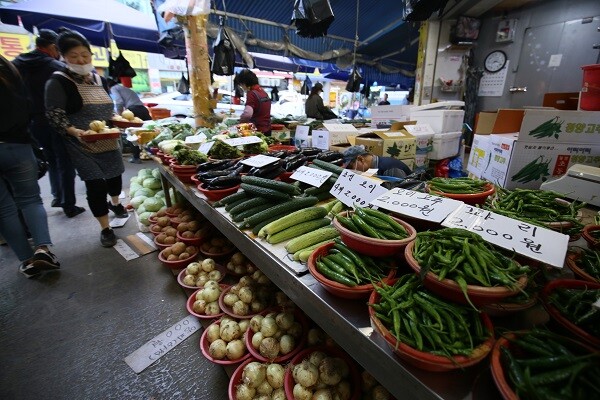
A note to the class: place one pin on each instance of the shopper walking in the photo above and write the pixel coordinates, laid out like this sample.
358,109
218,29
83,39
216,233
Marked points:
35,68
74,98
258,102
19,189
126,99
314,106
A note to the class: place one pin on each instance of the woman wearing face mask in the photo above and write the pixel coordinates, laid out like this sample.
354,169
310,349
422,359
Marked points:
74,98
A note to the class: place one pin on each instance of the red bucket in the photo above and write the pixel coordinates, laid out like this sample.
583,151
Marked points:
590,93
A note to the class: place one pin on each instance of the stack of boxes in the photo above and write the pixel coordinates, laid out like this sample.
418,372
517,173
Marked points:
447,128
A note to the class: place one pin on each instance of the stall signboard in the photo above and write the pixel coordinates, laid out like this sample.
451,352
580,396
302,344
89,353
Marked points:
416,204
353,189
532,241
311,176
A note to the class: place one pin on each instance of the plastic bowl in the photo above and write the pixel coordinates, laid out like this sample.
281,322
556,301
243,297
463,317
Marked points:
371,246
236,378
204,345
339,289
126,124
217,194
504,309
428,361
161,245
301,344
468,198
592,242
153,232
284,147
177,264
579,272
197,241
557,316
217,256
182,274
354,379
229,311
449,289
185,177
192,299
285,177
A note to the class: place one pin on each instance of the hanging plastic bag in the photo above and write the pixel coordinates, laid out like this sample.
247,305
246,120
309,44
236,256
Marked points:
312,18
353,84
183,7
183,86
224,53
366,90
122,68
306,86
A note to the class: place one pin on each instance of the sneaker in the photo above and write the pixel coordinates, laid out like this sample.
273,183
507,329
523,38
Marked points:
108,238
44,260
135,160
118,210
72,212
29,270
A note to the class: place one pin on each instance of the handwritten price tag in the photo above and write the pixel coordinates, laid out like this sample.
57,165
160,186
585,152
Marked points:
205,147
529,240
243,140
160,345
351,188
416,204
260,160
199,138
311,176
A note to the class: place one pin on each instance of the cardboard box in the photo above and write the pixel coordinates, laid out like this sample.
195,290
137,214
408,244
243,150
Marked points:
501,150
445,145
571,126
283,135
387,115
480,155
341,147
558,157
440,120
421,160
423,134
332,134
396,142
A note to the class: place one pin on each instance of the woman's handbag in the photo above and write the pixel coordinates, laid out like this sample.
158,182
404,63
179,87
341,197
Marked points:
42,162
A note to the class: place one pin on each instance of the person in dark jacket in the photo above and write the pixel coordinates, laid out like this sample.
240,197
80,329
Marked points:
314,106
357,158
19,189
36,67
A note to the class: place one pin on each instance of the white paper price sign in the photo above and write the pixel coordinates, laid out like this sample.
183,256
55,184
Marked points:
311,176
205,147
260,160
301,136
416,204
243,140
529,240
351,188
199,138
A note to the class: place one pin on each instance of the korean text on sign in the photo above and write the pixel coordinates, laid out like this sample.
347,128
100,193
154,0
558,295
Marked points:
416,204
351,189
529,240
312,176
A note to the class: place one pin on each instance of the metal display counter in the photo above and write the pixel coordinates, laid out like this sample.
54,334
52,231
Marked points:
346,321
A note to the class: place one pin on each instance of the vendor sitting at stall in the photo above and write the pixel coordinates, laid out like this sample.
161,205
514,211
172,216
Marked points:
357,158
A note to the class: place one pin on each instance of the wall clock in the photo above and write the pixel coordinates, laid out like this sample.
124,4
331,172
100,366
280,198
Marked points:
495,61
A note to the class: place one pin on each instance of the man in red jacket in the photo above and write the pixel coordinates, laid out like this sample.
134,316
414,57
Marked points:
258,102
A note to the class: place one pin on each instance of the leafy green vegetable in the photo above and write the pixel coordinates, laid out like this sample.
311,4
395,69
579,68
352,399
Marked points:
186,156
222,151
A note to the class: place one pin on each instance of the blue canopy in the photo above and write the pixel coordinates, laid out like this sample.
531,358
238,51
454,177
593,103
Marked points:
97,20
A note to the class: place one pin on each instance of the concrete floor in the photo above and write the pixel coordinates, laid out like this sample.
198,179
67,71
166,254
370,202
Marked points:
65,335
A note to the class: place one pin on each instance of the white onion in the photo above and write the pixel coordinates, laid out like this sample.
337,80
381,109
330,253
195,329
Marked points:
284,320
215,275
286,344
240,308
256,339
380,393
295,330
257,306
301,393
201,280
212,308
192,268
210,294
343,390
264,388
305,373
268,327
235,349
246,281
217,349
330,371
256,274
238,258
213,333
255,322
269,348
368,381
230,298
263,280
244,324
315,337
230,331
322,394
254,373
246,294
208,265
262,397
275,375
244,392
189,280
278,394
316,357
239,269
230,266
199,306
234,288
212,284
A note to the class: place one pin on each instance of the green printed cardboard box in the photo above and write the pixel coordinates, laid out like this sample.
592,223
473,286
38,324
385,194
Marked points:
395,142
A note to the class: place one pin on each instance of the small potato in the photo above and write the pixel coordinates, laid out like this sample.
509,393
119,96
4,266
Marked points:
182,227
191,249
161,238
189,280
167,252
187,234
169,240
184,256
172,257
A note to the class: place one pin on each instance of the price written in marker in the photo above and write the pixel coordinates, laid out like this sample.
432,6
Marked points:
351,189
260,160
311,176
243,140
529,240
416,204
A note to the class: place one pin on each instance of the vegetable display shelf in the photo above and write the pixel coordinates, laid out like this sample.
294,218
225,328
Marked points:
346,322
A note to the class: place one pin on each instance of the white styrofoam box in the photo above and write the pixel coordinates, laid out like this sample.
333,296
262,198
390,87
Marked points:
445,145
421,160
440,120
386,115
